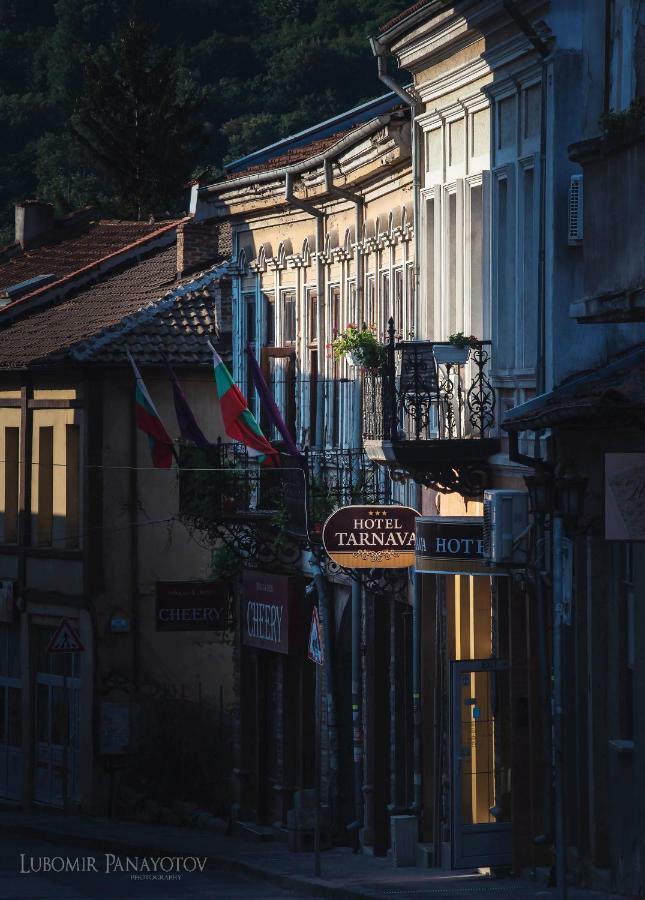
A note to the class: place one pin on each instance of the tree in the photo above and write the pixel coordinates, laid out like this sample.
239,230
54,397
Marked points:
138,117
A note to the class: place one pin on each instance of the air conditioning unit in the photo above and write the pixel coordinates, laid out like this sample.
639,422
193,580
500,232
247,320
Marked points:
506,516
576,211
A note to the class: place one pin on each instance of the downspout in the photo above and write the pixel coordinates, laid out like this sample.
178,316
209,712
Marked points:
319,215
381,52
324,607
357,588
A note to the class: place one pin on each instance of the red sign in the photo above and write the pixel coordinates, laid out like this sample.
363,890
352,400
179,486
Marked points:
191,606
268,610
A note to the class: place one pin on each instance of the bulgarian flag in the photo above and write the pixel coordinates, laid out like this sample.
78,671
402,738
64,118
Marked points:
239,421
149,421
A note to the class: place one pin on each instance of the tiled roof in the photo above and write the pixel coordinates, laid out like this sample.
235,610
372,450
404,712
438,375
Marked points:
73,248
48,335
403,15
295,155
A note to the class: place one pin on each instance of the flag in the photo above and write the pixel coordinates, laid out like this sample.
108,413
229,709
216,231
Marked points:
149,421
270,406
188,427
239,421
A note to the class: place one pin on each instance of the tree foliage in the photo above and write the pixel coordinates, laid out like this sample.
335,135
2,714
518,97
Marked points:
104,102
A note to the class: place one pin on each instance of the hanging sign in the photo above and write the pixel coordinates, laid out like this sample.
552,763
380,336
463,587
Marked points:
371,537
316,653
65,639
266,611
451,545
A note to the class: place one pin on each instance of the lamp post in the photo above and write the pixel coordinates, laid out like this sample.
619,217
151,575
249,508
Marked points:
563,498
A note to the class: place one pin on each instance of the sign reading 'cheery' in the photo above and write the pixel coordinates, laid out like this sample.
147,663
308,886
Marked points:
367,537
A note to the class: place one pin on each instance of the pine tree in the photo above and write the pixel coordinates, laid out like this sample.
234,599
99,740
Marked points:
138,117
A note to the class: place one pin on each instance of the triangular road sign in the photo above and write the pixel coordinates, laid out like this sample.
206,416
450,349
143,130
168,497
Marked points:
316,649
65,639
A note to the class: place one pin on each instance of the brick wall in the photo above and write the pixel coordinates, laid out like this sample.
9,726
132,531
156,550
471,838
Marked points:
201,244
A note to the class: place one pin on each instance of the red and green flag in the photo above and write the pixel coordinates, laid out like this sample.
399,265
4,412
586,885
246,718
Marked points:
149,421
239,421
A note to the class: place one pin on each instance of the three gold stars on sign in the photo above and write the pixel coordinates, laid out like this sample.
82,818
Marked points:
376,512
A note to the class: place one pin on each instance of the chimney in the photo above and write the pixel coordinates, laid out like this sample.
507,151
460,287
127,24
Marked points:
34,219
201,244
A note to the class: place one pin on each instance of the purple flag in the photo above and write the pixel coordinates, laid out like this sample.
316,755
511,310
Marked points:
190,430
269,404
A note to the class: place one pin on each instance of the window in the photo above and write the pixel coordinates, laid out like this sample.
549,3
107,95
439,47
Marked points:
288,317
476,261
398,301
269,319
72,486
370,302
45,481
334,293
411,289
386,300
528,262
10,511
505,301
312,315
249,306
451,261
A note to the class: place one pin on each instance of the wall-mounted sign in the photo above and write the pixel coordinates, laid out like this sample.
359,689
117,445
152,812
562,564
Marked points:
451,544
368,537
268,610
624,496
191,606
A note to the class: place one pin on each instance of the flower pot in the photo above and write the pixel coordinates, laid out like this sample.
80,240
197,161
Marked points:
449,355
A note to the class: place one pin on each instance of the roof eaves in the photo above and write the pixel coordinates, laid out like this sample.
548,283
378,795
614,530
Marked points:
85,349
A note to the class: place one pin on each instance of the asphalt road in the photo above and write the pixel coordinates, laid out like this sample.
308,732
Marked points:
20,881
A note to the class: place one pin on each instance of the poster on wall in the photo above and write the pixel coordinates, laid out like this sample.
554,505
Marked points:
624,496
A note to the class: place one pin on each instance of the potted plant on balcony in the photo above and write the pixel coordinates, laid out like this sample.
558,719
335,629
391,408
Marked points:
457,350
361,346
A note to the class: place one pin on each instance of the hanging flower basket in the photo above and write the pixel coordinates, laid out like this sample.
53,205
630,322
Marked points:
457,351
361,347
447,354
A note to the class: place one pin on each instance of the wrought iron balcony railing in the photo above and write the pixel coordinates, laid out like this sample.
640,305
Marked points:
426,392
430,412
224,483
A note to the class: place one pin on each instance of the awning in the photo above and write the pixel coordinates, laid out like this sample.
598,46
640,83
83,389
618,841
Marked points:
604,395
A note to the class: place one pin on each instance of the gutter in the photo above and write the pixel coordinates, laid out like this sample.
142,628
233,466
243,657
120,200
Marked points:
298,168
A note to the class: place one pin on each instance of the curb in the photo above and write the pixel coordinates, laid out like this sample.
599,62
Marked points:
314,886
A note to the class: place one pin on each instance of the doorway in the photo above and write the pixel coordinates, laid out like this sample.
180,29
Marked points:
480,732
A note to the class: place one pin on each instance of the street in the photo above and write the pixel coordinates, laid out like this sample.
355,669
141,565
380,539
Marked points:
108,882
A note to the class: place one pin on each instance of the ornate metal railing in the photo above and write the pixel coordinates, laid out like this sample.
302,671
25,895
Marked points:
423,392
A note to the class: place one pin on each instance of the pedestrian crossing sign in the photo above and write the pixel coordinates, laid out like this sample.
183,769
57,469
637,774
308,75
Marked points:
65,639
316,651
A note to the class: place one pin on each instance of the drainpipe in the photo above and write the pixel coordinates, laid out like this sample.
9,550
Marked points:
319,215
325,609
357,590
381,52
417,719
544,51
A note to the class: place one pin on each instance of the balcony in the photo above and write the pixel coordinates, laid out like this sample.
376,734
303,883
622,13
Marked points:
223,490
430,416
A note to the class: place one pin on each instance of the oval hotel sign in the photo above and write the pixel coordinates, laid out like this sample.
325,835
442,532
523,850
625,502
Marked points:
371,537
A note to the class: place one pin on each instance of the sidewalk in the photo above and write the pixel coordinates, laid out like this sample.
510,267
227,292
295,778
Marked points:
344,874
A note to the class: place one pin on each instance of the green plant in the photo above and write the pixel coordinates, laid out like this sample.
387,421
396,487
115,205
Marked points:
226,563
460,340
362,343
621,125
